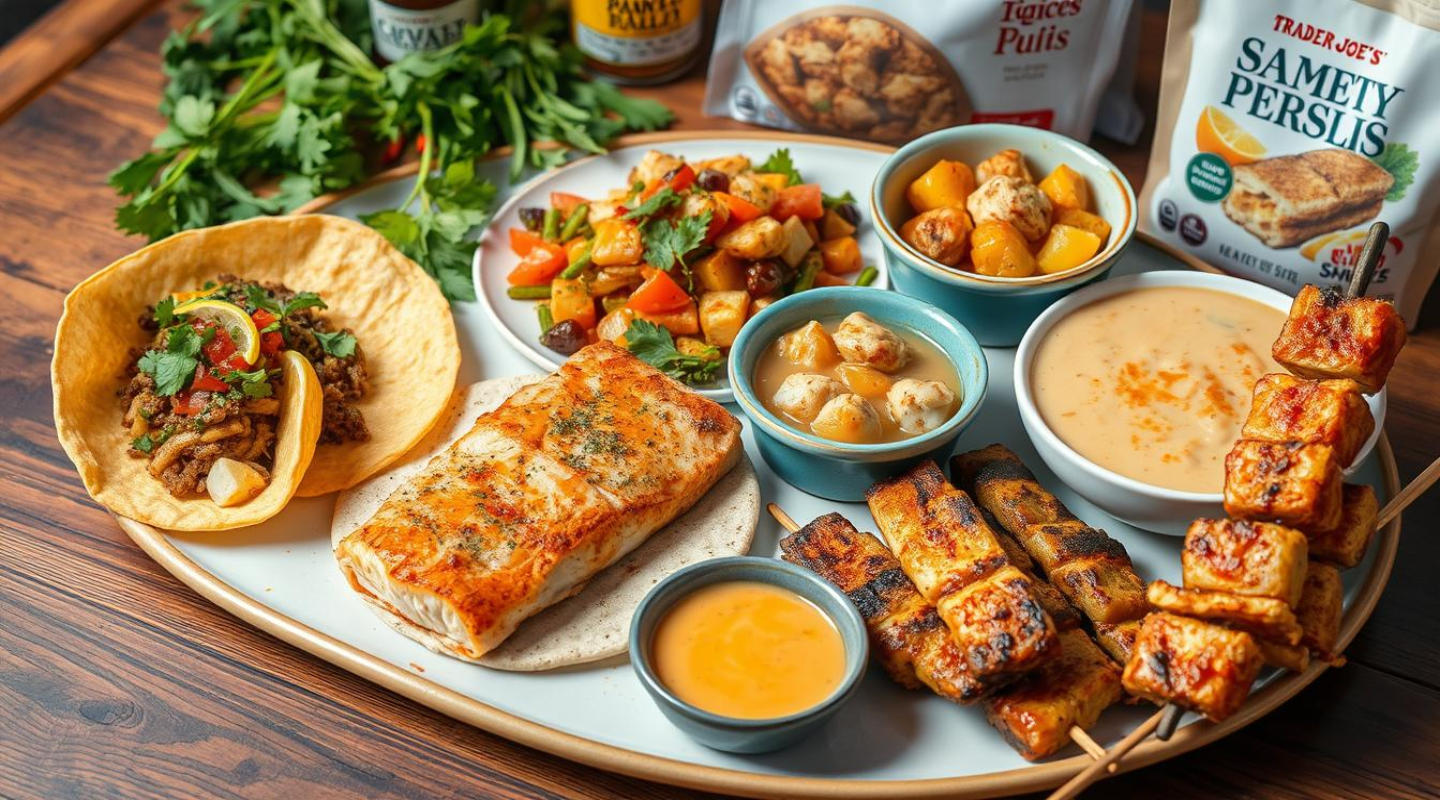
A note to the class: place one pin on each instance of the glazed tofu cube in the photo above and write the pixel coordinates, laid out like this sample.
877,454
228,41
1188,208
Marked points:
1293,657
999,625
1196,665
1320,608
1118,640
1036,715
1346,543
1256,559
1265,617
1106,592
1330,336
1290,409
1288,482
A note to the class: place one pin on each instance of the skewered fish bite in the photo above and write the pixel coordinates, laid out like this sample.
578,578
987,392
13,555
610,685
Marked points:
1320,608
956,562
1264,617
1255,559
1346,543
1288,482
906,634
1035,715
1195,664
1330,412
1328,335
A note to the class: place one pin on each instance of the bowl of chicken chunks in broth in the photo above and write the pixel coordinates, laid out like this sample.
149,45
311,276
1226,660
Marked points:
848,386
994,223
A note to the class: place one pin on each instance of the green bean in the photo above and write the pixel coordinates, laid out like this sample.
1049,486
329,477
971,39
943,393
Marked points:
578,265
574,221
528,292
551,227
867,276
547,320
809,268
610,302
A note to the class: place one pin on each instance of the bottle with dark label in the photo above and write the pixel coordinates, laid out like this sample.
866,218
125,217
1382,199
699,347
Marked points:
637,41
403,27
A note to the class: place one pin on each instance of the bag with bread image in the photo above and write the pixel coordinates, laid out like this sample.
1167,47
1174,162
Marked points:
892,71
1286,130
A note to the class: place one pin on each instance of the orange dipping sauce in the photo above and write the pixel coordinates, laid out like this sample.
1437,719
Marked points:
748,650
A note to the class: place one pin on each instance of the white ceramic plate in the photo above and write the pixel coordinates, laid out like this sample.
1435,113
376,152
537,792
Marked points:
887,742
837,166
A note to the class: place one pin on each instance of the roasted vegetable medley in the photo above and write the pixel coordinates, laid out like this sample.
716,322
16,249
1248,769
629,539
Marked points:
692,249
998,221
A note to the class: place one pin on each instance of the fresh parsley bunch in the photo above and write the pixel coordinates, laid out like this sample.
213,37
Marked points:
281,94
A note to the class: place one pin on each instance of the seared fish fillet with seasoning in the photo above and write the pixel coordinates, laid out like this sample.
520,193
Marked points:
562,480
1287,200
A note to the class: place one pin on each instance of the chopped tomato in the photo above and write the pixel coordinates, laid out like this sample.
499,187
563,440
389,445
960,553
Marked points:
271,342
658,294
192,402
741,210
653,186
393,150
803,201
523,241
718,223
682,179
823,278
221,350
565,203
539,265
206,382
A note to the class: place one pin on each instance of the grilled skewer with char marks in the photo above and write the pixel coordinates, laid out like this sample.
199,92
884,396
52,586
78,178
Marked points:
1292,483
954,559
1331,412
1039,714
1194,664
1328,335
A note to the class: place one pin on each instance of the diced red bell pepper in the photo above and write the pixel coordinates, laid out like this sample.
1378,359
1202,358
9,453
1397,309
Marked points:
741,210
205,382
682,179
803,201
539,265
523,241
565,203
221,350
658,294
271,342
192,402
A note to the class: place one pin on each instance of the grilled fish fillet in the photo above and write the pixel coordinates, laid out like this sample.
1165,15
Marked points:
1287,200
906,635
559,482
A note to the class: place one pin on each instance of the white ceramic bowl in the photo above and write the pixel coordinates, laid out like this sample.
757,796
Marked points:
1141,504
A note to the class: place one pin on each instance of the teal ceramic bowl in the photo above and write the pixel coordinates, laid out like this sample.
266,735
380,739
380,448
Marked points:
996,310
732,734
835,470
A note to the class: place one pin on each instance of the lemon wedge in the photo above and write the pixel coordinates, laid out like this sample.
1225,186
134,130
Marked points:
1217,133
232,319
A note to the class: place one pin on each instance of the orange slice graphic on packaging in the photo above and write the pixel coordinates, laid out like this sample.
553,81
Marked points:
1217,133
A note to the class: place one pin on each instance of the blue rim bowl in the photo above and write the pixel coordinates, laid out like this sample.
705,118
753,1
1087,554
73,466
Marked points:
732,734
836,470
998,310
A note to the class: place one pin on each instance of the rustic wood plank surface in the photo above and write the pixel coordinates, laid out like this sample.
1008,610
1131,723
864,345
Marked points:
118,681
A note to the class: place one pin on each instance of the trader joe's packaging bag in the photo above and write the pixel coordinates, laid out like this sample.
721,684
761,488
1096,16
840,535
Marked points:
1286,129
890,70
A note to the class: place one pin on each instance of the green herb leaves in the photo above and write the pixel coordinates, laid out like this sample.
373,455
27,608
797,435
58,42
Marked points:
779,161
339,345
1401,162
659,201
173,367
277,91
253,384
831,201
667,242
652,344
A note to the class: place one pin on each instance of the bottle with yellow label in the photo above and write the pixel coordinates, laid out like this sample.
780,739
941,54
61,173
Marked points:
638,42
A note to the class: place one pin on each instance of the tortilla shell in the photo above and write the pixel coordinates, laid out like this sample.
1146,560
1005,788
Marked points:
396,311
593,624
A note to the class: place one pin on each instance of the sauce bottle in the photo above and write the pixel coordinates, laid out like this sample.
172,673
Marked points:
403,27
637,42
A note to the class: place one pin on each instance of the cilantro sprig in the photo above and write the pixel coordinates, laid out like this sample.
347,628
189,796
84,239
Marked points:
780,161
653,345
1401,162
658,202
667,242
174,367
277,93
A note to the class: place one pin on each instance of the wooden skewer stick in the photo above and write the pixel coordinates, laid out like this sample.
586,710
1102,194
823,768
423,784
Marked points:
1370,254
1092,773
1077,734
1407,495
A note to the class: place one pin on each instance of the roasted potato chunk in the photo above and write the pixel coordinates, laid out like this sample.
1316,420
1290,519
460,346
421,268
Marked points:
1292,483
1320,609
947,183
1000,251
940,233
1035,715
1290,409
1265,617
759,238
1196,665
1346,543
1066,188
1256,559
1328,335
1066,248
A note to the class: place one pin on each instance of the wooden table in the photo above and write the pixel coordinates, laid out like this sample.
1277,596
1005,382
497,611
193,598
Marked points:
118,681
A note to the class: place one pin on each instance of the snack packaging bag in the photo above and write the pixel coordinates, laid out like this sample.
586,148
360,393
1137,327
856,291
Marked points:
891,71
1286,129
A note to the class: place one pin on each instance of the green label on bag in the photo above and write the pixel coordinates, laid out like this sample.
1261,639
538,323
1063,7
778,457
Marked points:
1208,177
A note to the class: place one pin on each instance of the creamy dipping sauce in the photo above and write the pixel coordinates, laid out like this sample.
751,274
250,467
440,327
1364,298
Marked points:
1155,384
748,650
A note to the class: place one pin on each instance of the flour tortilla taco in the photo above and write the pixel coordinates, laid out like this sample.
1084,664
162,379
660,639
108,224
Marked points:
204,380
